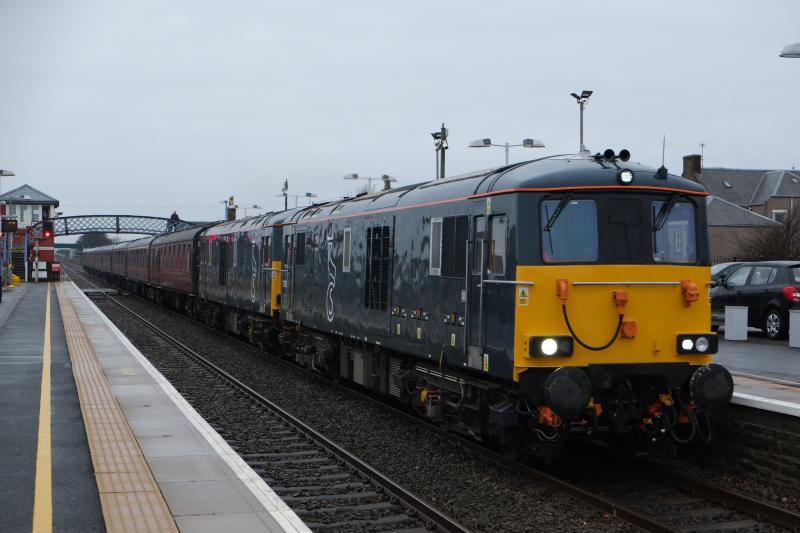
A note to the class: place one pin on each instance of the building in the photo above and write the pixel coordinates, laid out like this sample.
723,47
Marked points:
28,206
741,203
730,227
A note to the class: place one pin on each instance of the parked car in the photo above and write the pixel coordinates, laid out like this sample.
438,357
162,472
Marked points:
769,289
721,269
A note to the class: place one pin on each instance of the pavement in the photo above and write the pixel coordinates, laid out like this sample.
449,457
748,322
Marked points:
760,356
22,323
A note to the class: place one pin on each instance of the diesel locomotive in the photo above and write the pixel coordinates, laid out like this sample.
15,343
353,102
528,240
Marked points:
524,305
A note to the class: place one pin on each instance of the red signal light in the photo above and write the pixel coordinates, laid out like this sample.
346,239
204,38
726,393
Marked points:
47,229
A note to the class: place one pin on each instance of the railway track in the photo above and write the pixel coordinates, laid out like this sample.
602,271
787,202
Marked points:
327,486
662,501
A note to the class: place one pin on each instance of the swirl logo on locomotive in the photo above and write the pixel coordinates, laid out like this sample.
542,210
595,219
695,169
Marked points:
331,282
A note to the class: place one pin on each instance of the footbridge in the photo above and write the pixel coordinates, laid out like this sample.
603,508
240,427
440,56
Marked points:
133,224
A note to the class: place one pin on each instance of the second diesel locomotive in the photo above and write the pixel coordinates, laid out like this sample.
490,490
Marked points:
522,305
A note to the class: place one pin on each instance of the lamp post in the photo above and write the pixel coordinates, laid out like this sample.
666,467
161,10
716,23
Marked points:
440,146
308,195
387,180
3,258
254,206
582,99
526,143
356,177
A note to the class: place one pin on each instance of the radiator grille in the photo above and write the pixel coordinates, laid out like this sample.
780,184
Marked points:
394,377
376,287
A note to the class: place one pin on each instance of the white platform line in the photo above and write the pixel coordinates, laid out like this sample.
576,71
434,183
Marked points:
271,502
768,404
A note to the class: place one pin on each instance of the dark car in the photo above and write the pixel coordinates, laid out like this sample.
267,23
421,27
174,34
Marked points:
769,289
722,269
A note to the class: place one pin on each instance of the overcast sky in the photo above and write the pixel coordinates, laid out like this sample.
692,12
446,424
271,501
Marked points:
146,106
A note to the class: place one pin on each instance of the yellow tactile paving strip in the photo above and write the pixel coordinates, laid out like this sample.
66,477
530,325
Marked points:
129,496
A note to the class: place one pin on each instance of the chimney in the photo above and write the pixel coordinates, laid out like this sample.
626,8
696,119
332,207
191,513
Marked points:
692,168
230,210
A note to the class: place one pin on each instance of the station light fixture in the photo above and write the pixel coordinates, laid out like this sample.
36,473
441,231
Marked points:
582,99
487,142
387,180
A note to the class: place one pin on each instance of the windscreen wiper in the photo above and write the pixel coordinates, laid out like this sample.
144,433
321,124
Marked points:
663,213
552,218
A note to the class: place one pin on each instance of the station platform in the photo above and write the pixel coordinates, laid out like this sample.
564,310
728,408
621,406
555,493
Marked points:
95,439
766,373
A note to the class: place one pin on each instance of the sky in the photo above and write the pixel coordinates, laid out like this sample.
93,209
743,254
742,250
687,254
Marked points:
148,106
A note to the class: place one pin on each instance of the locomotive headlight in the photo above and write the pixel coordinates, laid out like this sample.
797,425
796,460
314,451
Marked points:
625,176
549,347
701,344
697,344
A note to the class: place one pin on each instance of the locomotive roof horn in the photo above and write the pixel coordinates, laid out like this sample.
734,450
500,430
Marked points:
609,155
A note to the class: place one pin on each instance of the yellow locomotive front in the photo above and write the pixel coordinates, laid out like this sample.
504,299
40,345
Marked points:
612,317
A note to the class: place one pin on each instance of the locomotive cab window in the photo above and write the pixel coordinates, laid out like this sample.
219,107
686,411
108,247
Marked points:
569,230
673,232
497,245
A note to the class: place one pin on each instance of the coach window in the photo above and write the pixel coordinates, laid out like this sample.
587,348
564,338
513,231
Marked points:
436,247
673,232
497,245
346,246
569,230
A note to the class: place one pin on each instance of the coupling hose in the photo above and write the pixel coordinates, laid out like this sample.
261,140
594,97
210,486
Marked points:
587,346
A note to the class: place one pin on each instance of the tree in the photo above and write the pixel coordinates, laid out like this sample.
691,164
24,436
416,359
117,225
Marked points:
774,242
93,240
